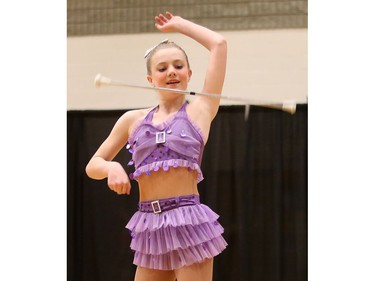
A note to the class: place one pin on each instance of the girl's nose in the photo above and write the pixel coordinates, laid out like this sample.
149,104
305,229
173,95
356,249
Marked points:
171,71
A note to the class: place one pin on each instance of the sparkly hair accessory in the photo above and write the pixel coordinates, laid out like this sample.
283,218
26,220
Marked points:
148,52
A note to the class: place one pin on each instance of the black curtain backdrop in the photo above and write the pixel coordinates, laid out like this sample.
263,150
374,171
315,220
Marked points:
255,178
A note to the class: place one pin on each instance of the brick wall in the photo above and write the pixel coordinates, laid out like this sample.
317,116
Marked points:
99,17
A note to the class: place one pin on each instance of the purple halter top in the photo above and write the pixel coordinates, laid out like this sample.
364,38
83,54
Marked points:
174,143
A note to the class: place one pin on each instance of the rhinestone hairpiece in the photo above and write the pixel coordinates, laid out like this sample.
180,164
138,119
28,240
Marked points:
151,49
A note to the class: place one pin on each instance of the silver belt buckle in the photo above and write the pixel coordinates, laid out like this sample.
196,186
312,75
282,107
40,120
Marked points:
160,137
156,207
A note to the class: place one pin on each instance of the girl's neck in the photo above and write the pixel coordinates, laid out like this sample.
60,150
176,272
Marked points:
170,106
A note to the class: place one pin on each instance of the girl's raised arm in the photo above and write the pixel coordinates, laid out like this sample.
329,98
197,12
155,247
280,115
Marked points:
214,42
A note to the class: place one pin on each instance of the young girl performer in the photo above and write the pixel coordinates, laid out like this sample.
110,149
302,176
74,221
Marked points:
173,234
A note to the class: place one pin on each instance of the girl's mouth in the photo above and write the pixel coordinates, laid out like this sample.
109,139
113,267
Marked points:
173,82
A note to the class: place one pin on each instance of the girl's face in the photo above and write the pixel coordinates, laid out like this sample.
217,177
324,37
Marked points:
169,69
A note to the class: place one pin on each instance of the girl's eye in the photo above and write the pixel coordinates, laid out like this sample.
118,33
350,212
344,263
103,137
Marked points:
164,68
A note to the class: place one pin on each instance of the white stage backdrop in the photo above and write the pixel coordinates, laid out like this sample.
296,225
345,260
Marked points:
269,65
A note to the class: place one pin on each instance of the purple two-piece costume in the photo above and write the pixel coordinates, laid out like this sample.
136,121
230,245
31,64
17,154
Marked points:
174,232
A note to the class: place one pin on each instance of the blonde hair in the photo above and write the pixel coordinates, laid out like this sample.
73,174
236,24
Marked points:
163,45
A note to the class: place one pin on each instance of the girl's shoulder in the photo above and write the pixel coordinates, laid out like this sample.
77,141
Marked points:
132,118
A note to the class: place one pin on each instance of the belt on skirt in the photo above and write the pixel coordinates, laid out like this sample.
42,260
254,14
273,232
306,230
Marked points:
161,205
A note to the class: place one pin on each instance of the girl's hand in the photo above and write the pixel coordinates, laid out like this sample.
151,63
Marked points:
118,180
167,23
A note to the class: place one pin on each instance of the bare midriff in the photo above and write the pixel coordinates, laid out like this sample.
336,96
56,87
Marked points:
164,184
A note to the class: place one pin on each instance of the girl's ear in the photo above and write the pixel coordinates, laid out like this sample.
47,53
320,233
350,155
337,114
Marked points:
149,79
190,73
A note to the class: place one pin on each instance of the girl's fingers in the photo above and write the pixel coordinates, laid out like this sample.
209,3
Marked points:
127,191
163,18
124,190
169,15
158,21
120,189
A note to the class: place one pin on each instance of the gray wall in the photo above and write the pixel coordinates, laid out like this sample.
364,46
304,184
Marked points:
97,17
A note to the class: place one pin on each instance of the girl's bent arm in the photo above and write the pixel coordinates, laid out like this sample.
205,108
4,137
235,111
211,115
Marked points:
215,43
101,165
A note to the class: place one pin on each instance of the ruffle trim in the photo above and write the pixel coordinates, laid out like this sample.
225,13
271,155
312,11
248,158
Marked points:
172,238
176,238
187,215
166,165
181,257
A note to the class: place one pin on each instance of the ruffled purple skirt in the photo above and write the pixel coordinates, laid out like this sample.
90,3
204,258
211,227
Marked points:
175,238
